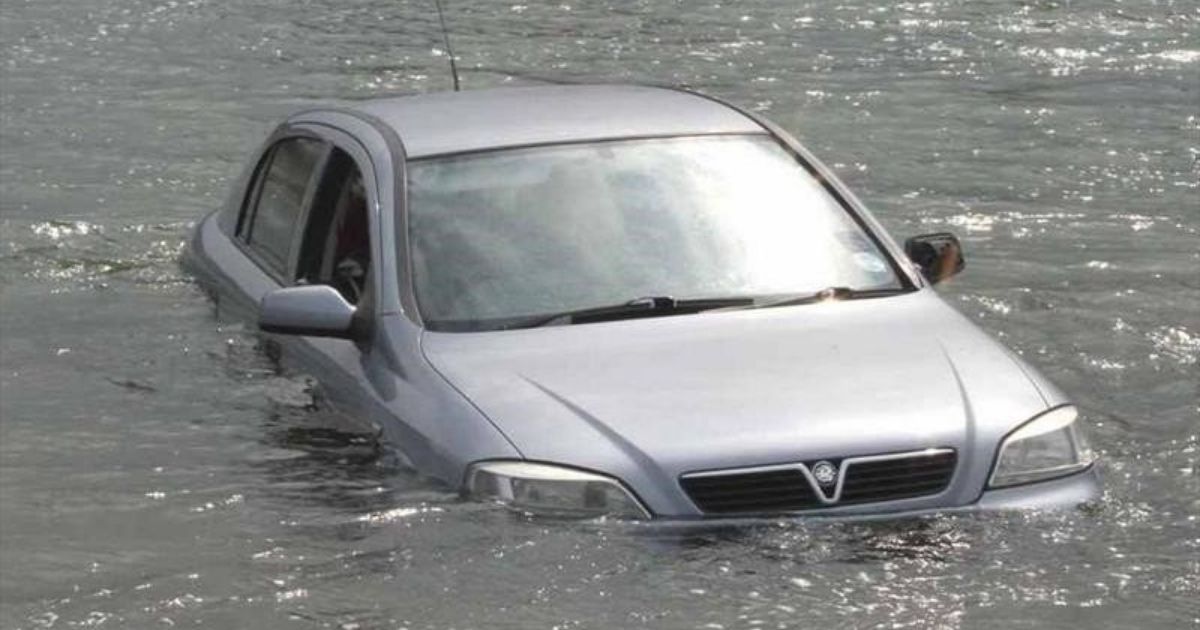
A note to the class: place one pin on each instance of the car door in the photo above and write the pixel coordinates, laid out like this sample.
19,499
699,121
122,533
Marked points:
288,194
336,243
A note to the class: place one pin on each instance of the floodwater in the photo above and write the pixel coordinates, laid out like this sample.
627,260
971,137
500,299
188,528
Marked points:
157,470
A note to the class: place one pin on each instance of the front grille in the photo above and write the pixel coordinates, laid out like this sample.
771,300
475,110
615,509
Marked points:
772,491
787,488
901,478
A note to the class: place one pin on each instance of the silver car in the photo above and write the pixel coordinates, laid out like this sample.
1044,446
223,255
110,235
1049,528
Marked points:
628,301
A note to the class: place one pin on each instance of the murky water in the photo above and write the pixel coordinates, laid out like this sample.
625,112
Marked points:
157,470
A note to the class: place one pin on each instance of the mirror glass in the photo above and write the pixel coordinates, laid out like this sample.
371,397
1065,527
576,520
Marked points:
938,255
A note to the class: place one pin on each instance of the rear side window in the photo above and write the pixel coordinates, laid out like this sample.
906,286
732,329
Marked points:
280,195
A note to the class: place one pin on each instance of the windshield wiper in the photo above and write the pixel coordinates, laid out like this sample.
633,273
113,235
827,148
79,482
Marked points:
824,295
652,305
656,305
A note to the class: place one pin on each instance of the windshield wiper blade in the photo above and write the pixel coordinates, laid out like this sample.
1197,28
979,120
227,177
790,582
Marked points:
655,305
824,295
828,293
637,307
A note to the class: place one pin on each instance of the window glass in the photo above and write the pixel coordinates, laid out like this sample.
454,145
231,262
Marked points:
337,244
501,236
281,198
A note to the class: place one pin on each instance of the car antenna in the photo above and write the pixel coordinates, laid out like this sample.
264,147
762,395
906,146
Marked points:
446,38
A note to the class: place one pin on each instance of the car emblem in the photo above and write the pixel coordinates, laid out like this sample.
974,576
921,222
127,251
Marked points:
825,473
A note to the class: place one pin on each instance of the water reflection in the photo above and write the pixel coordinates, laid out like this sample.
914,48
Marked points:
322,467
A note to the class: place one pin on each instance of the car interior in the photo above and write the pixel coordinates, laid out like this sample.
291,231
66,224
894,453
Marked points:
337,249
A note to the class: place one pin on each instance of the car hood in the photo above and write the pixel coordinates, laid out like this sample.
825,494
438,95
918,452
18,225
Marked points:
654,398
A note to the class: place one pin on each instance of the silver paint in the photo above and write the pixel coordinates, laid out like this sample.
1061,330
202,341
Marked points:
646,400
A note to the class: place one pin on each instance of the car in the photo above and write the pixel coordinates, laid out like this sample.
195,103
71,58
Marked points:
624,301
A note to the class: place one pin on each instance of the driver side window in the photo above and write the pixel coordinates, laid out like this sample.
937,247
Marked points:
336,249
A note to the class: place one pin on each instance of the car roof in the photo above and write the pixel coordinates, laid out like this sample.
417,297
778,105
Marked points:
477,120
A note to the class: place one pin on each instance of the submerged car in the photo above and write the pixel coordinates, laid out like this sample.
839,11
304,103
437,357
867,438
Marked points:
628,301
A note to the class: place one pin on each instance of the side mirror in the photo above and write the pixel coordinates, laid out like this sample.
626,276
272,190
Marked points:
314,310
938,255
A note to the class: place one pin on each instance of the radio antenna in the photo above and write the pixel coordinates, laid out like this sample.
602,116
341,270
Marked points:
446,39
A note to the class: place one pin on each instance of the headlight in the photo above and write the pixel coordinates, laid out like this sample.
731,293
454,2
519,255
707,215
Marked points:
553,490
1051,445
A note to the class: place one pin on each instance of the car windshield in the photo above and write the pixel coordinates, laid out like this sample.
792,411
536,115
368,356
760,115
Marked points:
498,238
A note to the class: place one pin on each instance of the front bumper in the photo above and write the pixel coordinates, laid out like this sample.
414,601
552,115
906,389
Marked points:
1056,494
1066,492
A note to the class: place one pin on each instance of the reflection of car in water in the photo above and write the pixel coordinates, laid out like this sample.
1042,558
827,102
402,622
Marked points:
633,301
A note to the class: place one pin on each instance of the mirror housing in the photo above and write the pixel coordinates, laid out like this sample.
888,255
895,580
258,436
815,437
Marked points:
312,310
938,255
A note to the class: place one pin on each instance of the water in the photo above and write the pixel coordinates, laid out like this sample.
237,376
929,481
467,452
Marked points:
156,469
